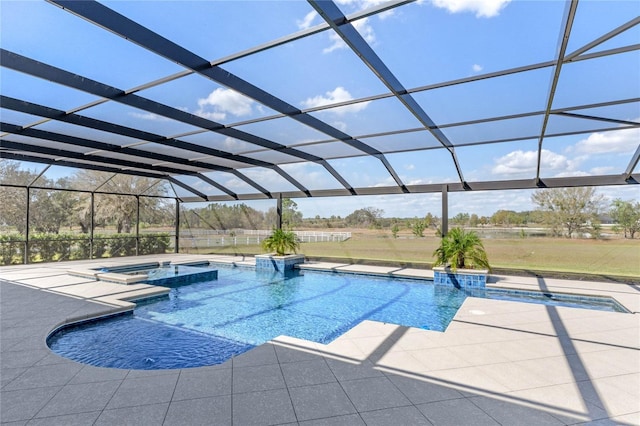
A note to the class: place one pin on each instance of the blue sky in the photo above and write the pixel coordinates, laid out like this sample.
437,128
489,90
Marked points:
423,43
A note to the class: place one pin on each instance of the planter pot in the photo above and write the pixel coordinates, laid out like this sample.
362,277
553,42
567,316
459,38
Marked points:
462,278
270,262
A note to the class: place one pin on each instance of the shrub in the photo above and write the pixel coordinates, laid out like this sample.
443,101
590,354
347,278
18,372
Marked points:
281,242
461,249
156,243
49,247
11,249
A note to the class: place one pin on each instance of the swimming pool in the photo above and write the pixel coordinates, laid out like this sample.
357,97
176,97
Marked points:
208,322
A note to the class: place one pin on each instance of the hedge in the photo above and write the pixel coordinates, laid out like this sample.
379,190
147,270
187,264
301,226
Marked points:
46,247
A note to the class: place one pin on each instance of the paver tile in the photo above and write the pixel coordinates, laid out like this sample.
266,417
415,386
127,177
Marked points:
262,355
347,420
395,416
350,371
144,390
456,412
201,411
144,415
79,419
513,413
203,383
420,391
319,401
45,376
72,399
374,393
306,373
25,403
259,378
90,374
569,402
287,354
263,408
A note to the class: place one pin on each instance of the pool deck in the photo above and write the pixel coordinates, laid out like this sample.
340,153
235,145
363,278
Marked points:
498,362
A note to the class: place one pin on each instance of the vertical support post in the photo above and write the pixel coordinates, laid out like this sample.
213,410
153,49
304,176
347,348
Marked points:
176,247
279,212
26,232
137,225
445,210
92,224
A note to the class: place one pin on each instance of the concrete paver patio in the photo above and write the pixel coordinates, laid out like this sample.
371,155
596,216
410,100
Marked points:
498,363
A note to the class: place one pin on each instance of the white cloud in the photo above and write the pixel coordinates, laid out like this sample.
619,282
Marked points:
234,145
604,170
571,173
360,4
417,181
482,8
362,26
308,19
306,172
339,94
341,125
211,115
356,5
525,163
148,116
477,68
485,203
616,141
337,43
222,101
409,166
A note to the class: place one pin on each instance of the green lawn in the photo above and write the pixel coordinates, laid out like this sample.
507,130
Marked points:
617,257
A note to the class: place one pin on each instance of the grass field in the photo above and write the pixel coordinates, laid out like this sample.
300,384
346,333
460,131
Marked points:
614,257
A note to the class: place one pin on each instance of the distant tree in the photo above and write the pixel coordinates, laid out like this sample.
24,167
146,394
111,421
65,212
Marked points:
627,215
430,220
291,217
252,218
394,230
118,207
14,200
418,228
290,214
507,218
366,217
13,208
474,220
569,210
236,216
460,219
51,209
535,216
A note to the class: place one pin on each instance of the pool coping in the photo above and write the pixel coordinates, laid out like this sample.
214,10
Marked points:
496,282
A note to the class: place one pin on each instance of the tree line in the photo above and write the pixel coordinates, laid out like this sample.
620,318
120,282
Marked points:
61,209
566,212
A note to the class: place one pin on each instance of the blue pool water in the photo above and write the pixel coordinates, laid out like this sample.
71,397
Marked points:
208,322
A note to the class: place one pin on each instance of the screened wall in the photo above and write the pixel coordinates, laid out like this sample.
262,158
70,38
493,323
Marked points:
193,102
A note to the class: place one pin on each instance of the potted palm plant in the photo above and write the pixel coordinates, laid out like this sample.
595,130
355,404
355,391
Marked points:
281,243
461,260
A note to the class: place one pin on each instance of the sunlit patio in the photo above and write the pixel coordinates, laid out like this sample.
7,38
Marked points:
498,362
